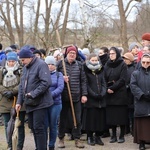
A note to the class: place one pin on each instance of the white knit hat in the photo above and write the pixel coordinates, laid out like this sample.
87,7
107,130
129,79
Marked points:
50,60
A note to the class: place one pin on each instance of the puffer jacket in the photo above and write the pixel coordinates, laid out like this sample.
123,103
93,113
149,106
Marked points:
5,103
36,81
57,86
77,80
140,84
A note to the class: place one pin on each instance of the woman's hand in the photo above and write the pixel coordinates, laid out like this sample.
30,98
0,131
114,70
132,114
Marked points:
110,91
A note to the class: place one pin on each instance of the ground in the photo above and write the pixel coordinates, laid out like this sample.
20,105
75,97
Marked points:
29,143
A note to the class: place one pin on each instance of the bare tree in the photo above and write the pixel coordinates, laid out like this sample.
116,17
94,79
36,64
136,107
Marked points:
5,16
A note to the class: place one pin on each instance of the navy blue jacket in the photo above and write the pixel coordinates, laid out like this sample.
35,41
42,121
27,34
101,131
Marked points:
38,82
2,56
57,86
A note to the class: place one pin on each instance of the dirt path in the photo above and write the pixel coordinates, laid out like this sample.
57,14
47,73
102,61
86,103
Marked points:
29,143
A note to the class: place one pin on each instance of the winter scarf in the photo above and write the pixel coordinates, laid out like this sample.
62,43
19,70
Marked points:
10,78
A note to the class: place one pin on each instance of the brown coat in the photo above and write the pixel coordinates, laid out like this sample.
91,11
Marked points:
5,103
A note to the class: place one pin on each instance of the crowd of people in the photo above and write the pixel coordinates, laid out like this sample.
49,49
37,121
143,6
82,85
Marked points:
77,91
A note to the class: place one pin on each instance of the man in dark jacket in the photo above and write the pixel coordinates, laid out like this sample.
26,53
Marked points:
77,81
34,92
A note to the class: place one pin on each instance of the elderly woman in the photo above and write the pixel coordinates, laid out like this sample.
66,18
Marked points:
140,87
9,80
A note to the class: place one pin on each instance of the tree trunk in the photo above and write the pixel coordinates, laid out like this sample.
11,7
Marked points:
123,27
63,33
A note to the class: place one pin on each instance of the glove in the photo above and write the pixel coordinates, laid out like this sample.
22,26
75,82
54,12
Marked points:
8,94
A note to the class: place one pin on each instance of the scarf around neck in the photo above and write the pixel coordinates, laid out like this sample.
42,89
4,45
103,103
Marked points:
10,78
93,67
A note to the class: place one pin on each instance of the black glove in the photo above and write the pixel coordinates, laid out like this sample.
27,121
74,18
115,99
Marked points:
8,94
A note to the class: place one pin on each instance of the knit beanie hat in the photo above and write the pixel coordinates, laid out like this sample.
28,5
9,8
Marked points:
132,45
85,51
71,48
25,52
12,56
50,60
56,53
14,47
37,52
7,50
129,56
146,36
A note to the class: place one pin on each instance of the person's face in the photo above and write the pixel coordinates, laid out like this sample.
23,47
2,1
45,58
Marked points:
135,50
51,67
57,58
11,63
94,60
145,61
101,52
112,55
145,42
71,56
146,50
37,55
26,61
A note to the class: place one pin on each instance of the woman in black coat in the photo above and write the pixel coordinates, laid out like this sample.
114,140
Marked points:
140,87
116,97
129,60
94,109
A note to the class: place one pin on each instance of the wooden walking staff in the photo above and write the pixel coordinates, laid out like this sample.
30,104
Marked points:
68,86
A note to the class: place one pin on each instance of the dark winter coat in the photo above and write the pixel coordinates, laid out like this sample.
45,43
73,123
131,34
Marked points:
57,86
96,86
37,76
130,69
77,80
115,76
140,84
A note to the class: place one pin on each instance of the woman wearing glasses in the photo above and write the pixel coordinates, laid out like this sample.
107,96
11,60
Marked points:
140,87
116,97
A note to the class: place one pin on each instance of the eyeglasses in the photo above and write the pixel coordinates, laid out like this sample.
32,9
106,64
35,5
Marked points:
146,62
72,53
112,53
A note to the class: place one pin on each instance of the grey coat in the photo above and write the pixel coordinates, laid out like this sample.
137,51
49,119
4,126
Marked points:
140,84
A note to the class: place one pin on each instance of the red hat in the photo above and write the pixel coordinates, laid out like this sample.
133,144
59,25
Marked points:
71,48
146,36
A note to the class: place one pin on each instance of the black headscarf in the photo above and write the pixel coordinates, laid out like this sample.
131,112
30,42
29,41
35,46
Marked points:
118,59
